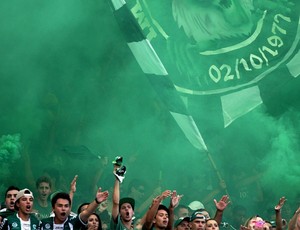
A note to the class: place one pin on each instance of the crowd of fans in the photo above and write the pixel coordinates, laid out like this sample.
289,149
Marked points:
117,209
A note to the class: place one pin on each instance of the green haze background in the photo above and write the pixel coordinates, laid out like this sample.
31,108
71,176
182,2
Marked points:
69,80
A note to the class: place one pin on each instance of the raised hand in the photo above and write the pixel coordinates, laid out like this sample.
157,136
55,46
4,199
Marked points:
280,204
165,194
222,203
101,196
175,199
73,184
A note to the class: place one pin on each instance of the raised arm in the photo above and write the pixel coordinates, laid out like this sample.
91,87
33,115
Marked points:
278,213
153,209
119,172
220,206
100,197
174,202
115,200
293,221
73,188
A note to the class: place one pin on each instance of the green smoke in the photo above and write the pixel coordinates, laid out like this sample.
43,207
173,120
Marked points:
73,91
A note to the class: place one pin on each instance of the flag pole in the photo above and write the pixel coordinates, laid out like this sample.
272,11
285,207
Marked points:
217,171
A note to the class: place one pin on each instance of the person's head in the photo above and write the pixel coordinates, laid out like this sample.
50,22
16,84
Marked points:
82,207
255,223
211,225
43,186
54,175
181,211
126,209
61,207
182,223
161,218
24,202
10,197
94,222
197,221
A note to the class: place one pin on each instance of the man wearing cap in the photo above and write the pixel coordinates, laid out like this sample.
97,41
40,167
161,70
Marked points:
122,217
220,207
200,216
61,206
182,223
197,221
122,209
23,219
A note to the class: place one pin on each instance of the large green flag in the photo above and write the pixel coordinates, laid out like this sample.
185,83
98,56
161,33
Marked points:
213,57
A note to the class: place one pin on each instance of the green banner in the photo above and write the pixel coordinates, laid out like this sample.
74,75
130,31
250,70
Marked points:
211,47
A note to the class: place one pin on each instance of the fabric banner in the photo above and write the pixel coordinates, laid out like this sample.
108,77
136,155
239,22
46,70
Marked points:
224,51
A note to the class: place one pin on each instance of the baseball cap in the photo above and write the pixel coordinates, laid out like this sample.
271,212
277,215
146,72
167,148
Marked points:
195,213
177,222
24,192
195,205
129,200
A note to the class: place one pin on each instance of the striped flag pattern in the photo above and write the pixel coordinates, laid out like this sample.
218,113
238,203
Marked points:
234,100
156,72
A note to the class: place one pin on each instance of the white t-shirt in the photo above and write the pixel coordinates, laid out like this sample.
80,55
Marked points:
58,226
25,225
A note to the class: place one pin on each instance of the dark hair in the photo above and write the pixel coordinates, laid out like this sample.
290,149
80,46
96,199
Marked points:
60,195
43,179
98,217
163,207
11,188
80,206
